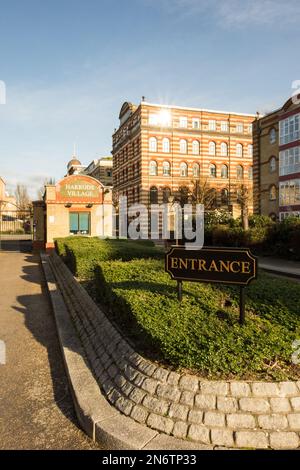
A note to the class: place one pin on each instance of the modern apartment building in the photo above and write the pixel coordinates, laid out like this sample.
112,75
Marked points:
277,162
162,151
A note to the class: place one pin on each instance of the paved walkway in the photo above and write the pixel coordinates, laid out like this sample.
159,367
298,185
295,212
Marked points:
280,266
36,410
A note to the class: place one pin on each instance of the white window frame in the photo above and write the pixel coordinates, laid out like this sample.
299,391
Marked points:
212,148
166,145
152,144
183,169
212,125
168,166
195,147
224,126
224,149
183,146
196,123
183,122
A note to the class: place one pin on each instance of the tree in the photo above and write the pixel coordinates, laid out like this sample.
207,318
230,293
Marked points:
202,193
41,190
244,196
22,197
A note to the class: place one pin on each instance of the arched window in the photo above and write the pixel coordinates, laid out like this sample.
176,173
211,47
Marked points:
272,164
239,150
153,144
196,147
166,145
272,193
272,136
166,195
212,148
250,150
183,146
212,170
166,169
196,170
239,172
224,196
153,195
153,168
250,173
224,149
183,169
224,171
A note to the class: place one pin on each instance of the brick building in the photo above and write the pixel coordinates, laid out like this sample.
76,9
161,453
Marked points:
161,151
277,162
101,169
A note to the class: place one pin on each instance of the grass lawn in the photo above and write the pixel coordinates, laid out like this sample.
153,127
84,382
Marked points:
201,334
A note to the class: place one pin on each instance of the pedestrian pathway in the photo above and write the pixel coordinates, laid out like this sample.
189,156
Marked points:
36,409
280,266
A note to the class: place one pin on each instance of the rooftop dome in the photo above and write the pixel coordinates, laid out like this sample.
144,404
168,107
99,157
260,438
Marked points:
73,162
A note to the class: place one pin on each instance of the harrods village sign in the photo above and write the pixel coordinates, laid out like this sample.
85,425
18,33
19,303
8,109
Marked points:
235,266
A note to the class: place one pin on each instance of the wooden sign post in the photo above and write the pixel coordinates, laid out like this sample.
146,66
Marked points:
236,266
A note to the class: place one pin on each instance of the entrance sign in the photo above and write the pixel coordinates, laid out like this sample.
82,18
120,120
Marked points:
235,266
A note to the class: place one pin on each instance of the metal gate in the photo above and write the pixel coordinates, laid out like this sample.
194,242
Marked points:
16,222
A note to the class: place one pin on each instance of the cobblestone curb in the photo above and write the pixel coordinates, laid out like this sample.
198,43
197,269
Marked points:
233,414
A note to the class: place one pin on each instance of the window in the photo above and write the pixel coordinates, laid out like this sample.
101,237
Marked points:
108,173
211,125
250,173
224,149
153,195
183,169
224,196
166,169
153,168
250,150
153,144
183,121
183,146
289,192
212,148
289,129
250,128
166,195
224,126
166,145
272,136
272,193
196,170
240,128
196,147
224,171
79,223
196,123
153,119
239,172
272,164
239,150
289,161
212,170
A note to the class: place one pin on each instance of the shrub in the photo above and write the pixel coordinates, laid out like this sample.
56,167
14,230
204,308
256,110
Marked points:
81,254
199,333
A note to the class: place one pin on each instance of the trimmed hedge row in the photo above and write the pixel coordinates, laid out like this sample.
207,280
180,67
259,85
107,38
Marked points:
81,254
200,333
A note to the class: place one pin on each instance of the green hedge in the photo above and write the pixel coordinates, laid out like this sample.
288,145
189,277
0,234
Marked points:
81,254
200,333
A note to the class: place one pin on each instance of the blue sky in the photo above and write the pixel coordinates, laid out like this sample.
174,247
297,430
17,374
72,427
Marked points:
68,66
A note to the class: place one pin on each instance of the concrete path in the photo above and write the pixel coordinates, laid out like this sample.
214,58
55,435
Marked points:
280,266
36,409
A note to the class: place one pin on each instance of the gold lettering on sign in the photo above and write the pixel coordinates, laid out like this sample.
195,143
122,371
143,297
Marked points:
246,267
183,262
174,263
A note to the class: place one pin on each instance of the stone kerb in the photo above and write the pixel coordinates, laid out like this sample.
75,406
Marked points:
240,414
